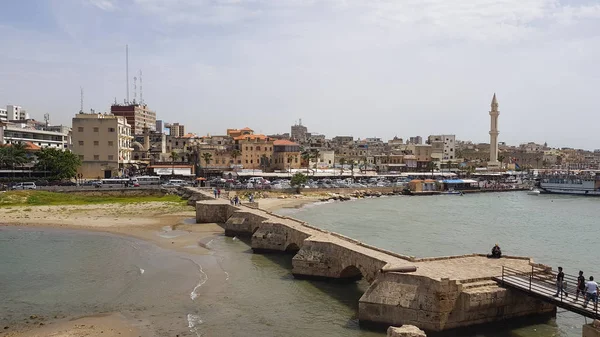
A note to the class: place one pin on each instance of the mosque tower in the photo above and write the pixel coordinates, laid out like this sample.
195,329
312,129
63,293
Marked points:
494,163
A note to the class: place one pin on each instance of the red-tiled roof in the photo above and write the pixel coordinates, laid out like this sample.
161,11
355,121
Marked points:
284,142
29,146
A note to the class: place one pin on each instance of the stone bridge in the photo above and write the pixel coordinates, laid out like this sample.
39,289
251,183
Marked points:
443,293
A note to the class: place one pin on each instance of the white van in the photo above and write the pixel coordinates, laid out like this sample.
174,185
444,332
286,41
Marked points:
24,186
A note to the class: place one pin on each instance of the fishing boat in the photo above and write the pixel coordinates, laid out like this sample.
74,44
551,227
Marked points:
452,193
582,183
534,191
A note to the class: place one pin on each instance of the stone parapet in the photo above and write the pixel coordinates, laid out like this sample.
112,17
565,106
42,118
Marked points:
591,330
273,236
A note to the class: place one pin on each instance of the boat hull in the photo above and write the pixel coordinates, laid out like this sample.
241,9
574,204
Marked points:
570,192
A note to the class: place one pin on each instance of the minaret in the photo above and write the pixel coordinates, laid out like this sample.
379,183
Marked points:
494,163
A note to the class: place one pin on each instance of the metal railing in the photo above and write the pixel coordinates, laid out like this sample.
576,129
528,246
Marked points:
542,283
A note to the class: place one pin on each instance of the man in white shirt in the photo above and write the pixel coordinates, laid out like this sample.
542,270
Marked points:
591,292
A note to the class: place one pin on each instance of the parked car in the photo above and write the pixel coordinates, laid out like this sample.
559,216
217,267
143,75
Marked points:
24,186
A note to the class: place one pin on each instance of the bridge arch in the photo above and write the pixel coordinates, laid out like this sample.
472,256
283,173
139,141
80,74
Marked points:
351,273
292,248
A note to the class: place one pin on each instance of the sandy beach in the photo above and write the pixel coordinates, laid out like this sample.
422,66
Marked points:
150,221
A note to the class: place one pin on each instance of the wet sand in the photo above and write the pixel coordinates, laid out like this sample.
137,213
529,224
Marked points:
166,224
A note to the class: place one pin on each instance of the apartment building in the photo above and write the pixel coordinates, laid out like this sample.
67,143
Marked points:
12,133
256,150
443,147
103,143
286,155
138,116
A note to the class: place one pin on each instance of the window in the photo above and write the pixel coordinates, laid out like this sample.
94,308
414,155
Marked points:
80,143
258,148
110,157
110,143
111,129
96,157
96,143
96,129
80,129
246,161
81,157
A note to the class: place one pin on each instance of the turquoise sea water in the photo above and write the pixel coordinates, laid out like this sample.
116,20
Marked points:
232,292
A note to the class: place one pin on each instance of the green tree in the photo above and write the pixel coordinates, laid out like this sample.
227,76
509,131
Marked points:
264,162
207,157
352,163
501,160
306,155
364,165
298,180
174,156
60,164
342,163
430,166
13,155
314,154
234,154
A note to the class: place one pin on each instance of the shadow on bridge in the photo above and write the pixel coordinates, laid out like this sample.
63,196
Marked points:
541,283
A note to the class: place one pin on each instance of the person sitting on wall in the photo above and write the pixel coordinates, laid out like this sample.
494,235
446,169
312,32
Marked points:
496,252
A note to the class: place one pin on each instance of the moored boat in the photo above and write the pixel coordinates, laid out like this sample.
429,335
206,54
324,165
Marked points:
586,183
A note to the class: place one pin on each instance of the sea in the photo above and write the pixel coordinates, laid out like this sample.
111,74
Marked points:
61,274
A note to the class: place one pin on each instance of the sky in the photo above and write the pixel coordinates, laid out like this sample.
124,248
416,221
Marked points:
366,68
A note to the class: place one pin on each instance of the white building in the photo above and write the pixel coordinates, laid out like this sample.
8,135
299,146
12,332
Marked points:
444,147
16,113
13,133
3,115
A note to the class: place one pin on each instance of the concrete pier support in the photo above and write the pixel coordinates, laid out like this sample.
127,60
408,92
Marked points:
591,330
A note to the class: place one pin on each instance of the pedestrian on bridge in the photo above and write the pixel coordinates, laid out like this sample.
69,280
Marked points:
591,293
580,286
560,279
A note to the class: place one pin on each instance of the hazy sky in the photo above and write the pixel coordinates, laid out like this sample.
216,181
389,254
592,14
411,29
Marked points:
346,67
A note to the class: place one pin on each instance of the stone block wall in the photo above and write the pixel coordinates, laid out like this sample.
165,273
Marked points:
432,305
278,237
211,212
323,259
242,223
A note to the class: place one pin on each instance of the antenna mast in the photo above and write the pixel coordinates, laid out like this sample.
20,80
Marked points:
134,89
141,89
127,71
81,99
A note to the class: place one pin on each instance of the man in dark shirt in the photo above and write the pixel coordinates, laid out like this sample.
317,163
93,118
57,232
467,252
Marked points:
580,285
560,278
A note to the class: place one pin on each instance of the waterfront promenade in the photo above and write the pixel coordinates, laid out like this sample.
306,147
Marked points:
442,293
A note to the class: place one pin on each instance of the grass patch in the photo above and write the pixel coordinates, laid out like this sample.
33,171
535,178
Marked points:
44,198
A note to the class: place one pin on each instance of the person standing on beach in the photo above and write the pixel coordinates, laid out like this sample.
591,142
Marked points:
580,286
560,278
591,293
218,192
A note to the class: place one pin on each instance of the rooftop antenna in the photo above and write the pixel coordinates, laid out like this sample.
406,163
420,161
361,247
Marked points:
81,99
127,71
141,89
47,119
300,121
134,89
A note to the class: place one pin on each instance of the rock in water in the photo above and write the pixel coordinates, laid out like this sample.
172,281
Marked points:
405,331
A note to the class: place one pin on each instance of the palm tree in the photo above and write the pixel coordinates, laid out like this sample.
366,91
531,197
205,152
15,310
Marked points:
430,166
234,154
501,160
364,159
352,163
342,163
314,154
15,155
207,157
264,162
306,157
291,157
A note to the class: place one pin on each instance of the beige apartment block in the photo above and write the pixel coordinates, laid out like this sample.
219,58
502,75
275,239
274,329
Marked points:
103,143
